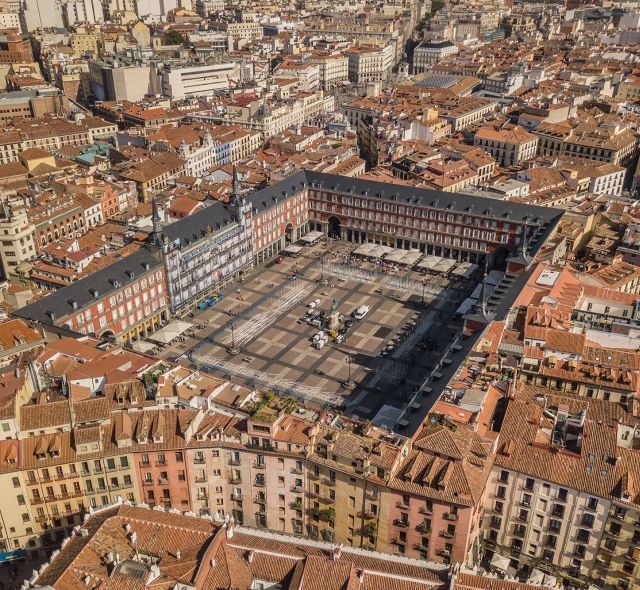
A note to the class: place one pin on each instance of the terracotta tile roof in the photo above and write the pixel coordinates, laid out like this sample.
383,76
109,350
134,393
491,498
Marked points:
451,464
565,341
202,554
34,417
464,581
600,467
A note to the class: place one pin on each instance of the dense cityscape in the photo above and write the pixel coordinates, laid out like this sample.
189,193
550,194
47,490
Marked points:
319,296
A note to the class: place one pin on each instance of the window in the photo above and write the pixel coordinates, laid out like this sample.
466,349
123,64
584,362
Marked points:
583,536
587,520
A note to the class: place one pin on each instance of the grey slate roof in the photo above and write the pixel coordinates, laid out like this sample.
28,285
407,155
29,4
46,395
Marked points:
195,226
494,208
217,215
60,302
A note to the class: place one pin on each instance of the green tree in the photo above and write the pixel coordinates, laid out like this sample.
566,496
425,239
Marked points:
173,38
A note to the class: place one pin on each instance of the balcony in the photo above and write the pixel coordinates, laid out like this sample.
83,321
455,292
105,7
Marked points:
235,480
425,510
446,535
329,481
37,500
371,495
296,505
327,500
163,481
450,516
260,499
422,548
259,465
401,523
297,489
313,475
237,497
443,552
402,505
260,483
423,528
161,463
147,482
198,460
201,478
234,462
297,470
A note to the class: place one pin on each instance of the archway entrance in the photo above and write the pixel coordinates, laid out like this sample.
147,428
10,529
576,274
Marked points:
334,227
108,336
288,234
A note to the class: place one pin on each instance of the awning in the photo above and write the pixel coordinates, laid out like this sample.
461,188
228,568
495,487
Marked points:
499,562
404,257
170,331
465,269
293,249
142,346
311,237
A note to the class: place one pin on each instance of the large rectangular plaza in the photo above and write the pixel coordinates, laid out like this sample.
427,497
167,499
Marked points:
380,359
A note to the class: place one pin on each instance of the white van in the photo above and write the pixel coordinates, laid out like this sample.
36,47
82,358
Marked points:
362,311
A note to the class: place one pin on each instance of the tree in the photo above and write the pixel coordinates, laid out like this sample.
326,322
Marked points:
173,38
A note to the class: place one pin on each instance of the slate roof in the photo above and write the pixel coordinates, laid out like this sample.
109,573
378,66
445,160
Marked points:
194,227
60,302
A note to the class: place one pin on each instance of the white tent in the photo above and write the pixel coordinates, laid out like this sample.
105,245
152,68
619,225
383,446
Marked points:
311,237
142,346
170,331
499,562
293,250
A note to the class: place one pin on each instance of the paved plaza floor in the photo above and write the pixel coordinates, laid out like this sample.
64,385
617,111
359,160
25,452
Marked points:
380,353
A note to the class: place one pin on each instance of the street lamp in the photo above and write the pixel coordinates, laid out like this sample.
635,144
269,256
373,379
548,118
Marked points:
232,349
349,384
424,284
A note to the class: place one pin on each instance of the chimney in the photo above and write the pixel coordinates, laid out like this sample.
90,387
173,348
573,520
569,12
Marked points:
337,552
250,557
178,554
229,531
361,576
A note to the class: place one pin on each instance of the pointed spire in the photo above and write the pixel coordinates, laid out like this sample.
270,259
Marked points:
155,220
525,243
236,197
483,289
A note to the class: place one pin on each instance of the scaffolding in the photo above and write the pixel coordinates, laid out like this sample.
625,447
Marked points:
251,323
350,272
272,381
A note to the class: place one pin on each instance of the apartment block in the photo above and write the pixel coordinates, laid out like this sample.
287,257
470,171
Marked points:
557,478
510,147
